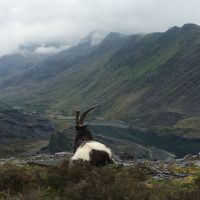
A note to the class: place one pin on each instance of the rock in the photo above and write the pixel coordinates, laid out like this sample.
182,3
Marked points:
187,157
197,163
52,162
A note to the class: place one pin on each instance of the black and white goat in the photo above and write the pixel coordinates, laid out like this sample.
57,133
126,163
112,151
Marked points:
85,148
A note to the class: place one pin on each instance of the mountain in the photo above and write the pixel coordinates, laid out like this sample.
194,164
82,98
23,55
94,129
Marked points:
146,79
14,64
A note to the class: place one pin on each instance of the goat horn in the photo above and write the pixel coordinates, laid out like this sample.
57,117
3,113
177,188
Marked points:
84,115
77,117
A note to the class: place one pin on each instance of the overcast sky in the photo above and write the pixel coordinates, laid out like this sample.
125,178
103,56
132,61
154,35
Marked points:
42,21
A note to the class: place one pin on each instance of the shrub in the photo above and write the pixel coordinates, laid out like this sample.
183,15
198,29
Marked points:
83,181
14,179
197,181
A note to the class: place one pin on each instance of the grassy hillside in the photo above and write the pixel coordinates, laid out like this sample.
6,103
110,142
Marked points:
136,78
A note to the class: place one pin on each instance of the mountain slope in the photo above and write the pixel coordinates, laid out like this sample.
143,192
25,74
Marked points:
14,124
135,77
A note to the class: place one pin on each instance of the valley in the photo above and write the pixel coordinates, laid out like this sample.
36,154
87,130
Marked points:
147,86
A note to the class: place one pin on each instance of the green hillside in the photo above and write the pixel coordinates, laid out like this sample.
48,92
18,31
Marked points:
150,79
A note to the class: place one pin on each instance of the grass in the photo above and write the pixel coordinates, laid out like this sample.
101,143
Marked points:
83,181
18,146
193,123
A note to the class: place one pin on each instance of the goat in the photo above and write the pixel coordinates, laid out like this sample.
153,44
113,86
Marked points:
85,148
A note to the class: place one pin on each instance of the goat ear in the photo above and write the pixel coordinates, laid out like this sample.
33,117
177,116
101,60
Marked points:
84,115
77,117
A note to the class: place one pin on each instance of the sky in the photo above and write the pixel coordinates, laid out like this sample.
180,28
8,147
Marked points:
24,22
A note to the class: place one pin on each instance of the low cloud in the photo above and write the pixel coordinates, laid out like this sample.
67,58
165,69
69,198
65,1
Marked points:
47,50
35,21
50,50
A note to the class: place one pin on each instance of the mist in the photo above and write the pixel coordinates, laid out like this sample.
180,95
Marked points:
66,22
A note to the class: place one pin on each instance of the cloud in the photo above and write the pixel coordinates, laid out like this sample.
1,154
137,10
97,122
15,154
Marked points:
49,50
66,21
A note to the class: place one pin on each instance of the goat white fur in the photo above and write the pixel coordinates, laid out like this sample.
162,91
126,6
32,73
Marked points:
83,151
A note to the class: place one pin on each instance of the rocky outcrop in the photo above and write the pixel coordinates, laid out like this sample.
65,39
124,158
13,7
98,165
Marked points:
168,169
17,125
